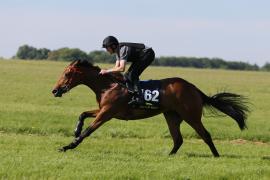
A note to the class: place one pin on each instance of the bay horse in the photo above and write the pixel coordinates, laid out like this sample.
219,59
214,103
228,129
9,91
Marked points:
179,100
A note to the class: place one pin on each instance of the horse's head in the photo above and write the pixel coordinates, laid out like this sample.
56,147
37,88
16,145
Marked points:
71,77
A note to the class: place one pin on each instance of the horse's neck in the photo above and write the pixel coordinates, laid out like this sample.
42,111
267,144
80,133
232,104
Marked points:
100,83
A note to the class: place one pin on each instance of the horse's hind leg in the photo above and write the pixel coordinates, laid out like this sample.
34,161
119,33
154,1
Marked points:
208,140
198,126
191,112
174,120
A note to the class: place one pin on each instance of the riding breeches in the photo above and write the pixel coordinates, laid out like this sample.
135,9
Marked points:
137,67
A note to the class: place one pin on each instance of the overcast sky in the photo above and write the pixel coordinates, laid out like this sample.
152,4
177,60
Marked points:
236,30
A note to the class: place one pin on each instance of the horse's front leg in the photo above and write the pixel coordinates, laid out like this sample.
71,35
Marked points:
103,116
82,117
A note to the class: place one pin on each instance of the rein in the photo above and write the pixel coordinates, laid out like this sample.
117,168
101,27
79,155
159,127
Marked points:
75,70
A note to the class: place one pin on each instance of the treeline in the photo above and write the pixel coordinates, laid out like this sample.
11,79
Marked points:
63,54
70,54
211,63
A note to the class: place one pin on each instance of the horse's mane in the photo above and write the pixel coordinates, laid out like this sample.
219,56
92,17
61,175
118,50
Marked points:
84,63
87,64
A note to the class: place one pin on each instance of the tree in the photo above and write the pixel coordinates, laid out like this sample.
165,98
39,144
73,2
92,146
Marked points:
42,53
26,52
29,52
101,56
67,54
266,67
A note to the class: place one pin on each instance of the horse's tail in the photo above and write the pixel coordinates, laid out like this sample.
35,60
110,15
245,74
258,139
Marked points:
233,105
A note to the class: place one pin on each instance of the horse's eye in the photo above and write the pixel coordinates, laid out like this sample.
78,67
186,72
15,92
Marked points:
67,75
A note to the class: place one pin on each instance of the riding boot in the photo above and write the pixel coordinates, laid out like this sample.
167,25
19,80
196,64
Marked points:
130,87
129,84
138,97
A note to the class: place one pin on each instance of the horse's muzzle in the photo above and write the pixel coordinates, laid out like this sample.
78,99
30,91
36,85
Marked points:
57,92
60,90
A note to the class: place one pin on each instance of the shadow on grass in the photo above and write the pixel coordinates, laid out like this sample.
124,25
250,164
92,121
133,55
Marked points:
232,156
266,158
199,155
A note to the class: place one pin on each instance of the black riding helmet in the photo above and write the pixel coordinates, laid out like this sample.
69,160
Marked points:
109,41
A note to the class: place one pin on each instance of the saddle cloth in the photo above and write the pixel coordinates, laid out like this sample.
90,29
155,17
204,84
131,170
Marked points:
151,94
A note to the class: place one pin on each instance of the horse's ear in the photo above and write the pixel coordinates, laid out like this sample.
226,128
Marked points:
73,62
78,62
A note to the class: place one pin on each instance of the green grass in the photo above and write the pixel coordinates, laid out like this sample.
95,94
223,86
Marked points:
35,157
33,124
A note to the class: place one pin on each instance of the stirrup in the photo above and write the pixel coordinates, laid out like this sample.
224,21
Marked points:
136,100
132,102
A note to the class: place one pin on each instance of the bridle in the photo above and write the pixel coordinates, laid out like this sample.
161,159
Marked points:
74,70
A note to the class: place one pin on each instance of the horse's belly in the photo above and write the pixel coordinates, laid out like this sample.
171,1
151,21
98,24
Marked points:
136,114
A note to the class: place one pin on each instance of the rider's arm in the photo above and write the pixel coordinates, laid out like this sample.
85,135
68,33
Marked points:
120,62
119,66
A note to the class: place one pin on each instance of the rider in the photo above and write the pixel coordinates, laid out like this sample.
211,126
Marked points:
141,57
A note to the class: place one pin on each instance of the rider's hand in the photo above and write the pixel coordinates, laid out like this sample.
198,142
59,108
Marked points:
103,71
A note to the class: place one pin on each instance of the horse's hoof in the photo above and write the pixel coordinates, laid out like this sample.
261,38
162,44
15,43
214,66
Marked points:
63,149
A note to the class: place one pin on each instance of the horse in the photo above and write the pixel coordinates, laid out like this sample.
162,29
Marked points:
179,101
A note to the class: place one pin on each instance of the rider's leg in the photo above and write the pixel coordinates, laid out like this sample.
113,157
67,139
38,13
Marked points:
137,89
128,81
132,81
144,62
129,77
137,67
135,71
140,66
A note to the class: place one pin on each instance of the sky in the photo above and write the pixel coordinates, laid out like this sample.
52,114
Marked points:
235,30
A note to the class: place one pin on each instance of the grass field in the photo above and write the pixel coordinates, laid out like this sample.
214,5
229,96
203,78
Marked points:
34,124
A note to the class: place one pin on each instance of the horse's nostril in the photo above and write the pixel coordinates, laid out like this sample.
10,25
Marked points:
54,91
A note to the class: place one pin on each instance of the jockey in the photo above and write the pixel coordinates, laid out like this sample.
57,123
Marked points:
139,55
